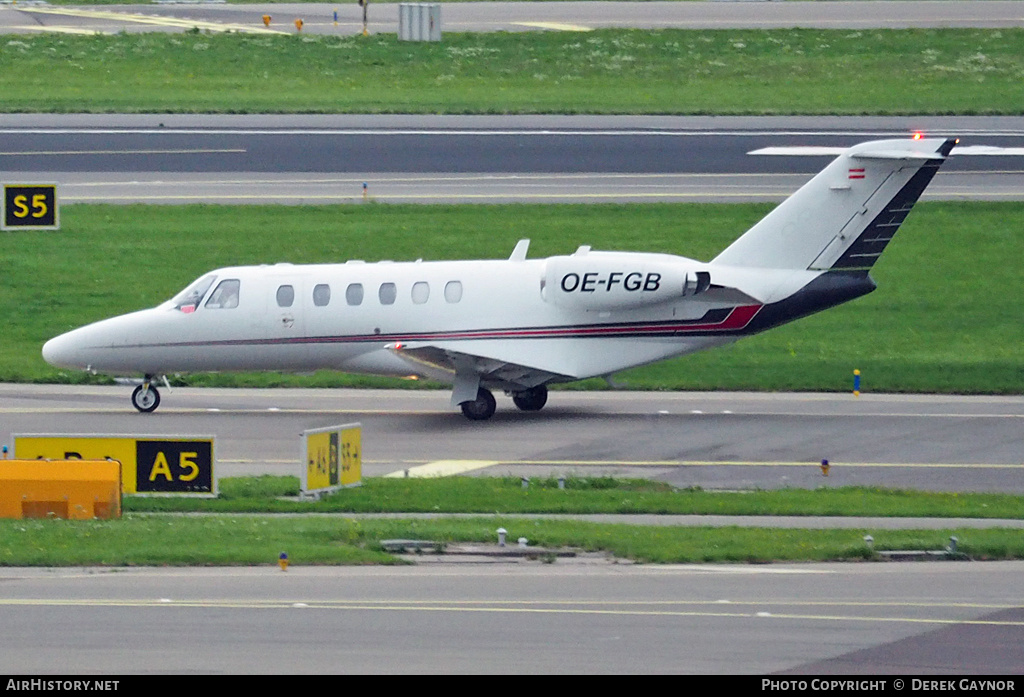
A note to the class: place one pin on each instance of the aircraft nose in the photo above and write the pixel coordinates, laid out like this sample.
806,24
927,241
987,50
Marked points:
62,352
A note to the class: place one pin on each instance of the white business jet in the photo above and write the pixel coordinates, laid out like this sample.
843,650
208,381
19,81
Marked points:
519,324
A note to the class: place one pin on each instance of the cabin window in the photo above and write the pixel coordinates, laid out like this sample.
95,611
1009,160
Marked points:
387,293
188,299
285,296
321,294
224,296
453,291
420,292
354,294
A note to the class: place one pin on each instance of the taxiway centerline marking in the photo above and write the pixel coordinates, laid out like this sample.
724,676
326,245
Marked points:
385,411
475,464
194,151
399,606
480,197
422,197
501,178
444,602
462,131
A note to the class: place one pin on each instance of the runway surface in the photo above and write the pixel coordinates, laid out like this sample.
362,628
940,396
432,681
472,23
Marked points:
434,159
711,440
898,619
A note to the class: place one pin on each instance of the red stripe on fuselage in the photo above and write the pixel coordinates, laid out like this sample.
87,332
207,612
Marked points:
736,320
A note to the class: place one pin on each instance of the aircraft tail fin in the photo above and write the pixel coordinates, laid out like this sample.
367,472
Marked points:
846,215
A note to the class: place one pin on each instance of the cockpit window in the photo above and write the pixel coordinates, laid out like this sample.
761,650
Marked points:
225,295
188,300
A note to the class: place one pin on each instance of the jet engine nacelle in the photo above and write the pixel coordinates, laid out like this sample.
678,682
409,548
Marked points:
593,282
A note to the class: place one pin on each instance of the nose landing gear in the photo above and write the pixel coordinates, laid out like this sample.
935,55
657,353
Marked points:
145,398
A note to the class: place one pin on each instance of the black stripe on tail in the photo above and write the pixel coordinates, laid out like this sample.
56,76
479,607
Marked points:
866,249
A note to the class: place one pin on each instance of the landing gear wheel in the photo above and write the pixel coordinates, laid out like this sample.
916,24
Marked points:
532,399
481,408
145,398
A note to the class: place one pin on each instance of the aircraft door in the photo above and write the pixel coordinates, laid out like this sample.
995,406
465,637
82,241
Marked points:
286,322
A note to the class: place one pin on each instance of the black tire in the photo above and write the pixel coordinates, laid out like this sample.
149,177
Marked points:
145,400
481,408
532,399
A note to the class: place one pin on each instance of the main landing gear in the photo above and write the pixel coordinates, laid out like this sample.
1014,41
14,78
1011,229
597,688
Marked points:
482,408
532,399
145,398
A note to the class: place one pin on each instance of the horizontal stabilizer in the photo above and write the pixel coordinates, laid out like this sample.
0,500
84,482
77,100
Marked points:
985,150
815,151
800,151
896,155
828,151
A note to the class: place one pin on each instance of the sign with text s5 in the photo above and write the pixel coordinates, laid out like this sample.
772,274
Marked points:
180,465
30,206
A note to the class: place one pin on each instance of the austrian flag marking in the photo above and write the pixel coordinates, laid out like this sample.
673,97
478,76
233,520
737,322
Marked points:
857,173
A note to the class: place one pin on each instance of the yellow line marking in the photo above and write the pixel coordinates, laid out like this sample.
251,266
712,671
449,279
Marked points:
751,463
477,197
496,607
443,602
382,410
554,26
424,197
443,468
146,19
381,181
59,30
196,151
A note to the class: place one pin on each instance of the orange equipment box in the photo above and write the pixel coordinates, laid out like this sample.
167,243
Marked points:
72,489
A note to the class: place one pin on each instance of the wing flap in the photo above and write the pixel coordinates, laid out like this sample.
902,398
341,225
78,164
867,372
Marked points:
445,362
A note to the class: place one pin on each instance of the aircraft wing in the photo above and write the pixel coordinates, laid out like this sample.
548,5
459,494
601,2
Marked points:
448,362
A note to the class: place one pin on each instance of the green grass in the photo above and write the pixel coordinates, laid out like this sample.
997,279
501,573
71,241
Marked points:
944,319
150,534
504,495
610,71
138,540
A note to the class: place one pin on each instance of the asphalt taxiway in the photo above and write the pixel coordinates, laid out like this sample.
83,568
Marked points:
897,619
711,440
